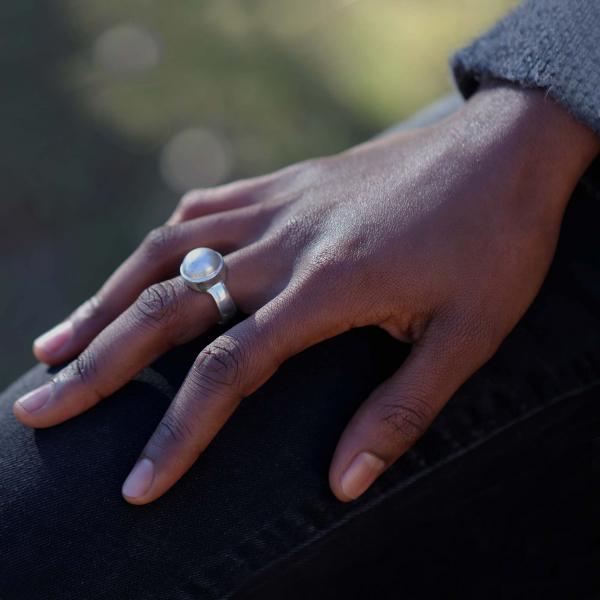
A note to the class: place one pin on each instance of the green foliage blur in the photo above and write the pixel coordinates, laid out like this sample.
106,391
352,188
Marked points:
96,95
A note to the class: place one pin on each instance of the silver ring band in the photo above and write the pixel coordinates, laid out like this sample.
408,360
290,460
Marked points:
204,270
225,303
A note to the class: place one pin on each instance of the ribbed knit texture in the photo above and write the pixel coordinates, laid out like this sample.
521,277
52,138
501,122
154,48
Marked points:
550,44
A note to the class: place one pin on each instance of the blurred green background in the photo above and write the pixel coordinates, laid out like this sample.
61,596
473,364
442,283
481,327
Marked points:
110,109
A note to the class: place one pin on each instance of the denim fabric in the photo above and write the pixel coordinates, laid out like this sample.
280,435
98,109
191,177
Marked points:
498,500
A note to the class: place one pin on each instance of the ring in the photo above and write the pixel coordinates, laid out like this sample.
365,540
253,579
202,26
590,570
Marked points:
204,270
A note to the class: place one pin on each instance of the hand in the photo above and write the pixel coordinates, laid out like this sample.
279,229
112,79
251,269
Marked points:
442,237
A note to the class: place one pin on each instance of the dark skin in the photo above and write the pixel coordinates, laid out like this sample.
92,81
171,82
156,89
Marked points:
442,237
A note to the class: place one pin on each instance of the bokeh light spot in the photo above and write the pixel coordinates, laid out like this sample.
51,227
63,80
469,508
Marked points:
195,158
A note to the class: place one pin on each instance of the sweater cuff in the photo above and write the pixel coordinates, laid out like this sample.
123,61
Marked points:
549,44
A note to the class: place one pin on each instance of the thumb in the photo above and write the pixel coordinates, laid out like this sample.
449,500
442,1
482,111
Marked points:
401,409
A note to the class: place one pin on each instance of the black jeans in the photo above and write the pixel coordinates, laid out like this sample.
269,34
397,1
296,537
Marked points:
500,499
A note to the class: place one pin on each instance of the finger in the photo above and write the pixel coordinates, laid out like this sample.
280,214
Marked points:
230,368
201,202
157,258
244,192
399,411
165,315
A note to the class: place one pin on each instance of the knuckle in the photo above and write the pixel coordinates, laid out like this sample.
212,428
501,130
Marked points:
292,231
219,365
92,308
187,204
329,262
173,429
324,270
407,419
83,368
157,243
306,170
158,303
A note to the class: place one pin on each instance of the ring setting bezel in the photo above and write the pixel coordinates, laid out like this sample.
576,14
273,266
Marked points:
202,268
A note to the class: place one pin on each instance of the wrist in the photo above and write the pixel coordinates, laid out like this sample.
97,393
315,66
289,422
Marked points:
530,135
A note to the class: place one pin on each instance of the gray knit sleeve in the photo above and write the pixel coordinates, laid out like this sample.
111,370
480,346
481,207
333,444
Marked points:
550,44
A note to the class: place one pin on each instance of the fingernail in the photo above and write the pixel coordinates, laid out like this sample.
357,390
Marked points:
52,341
362,472
36,399
140,479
